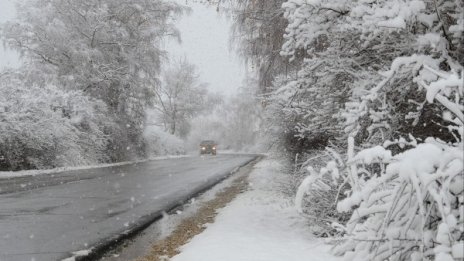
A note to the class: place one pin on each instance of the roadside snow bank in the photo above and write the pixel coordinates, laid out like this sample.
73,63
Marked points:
160,142
261,224
34,172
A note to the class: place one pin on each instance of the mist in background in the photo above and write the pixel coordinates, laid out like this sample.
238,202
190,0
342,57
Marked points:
205,43
8,58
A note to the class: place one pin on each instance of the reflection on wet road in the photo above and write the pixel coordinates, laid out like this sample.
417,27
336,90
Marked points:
48,217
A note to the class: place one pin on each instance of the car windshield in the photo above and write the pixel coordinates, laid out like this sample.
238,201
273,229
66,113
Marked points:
207,142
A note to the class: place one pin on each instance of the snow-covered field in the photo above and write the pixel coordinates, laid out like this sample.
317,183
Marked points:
261,224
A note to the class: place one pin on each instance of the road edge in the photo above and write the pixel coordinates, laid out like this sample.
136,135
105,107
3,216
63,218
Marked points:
99,249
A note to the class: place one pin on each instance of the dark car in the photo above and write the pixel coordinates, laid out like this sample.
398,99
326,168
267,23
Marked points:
208,147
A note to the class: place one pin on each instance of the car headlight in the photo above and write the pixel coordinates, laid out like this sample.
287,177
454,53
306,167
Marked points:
214,148
203,148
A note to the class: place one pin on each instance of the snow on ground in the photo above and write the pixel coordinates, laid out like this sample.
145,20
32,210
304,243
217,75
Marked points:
261,224
77,254
34,172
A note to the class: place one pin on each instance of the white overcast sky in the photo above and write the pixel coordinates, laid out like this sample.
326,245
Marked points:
205,43
7,12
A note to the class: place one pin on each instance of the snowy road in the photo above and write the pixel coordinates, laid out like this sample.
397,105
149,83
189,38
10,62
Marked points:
67,214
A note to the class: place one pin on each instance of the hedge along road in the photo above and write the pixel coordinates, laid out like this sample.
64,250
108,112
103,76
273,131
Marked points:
56,219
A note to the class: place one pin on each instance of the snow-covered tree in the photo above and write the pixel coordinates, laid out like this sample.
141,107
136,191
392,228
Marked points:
235,124
107,49
44,126
181,97
257,33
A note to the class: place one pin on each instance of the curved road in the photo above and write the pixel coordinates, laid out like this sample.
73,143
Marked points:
48,217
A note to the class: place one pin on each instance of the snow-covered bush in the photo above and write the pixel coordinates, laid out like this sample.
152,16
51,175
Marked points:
309,106
45,127
397,105
318,193
351,42
408,206
159,142
411,209
405,65
388,76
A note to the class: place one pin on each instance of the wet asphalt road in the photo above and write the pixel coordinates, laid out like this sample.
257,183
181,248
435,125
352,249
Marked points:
51,216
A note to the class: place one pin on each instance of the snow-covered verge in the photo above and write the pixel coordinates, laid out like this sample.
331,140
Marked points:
407,206
260,224
159,145
21,173
405,196
78,254
142,246
159,142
